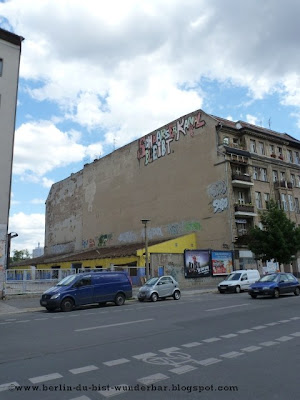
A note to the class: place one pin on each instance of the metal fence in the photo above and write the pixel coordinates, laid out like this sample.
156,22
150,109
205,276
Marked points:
36,281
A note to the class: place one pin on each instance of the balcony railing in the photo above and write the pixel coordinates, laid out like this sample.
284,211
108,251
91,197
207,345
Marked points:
244,208
241,177
283,184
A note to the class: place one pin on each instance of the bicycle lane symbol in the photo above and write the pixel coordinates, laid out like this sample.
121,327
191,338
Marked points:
171,357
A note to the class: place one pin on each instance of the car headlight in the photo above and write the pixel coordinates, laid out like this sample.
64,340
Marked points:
55,296
266,287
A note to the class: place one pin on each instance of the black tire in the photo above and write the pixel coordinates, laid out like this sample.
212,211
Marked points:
119,299
176,295
253,296
237,289
67,305
154,297
50,309
297,291
141,300
276,293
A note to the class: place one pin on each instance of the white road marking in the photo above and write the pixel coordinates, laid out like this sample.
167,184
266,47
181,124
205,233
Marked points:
81,398
59,316
210,340
112,325
40,319
23,320
147,380
209,361
5,323
183,369
230,335
192,344
44,378
245,331
169,349
114,392
295,318
251,348
81,370
295,334
259,327
270,343
143,356
11,319
116,362
272,323
232,354
284,338
284,321
7,386
224,308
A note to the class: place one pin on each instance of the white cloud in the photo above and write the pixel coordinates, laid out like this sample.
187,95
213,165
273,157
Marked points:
41,147
37,201
251,119
30,229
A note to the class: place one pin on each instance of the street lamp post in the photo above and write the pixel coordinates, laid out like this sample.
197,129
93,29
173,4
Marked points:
10,236
145,221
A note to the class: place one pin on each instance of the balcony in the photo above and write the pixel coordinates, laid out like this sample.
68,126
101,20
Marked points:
246,210
241,180
283,185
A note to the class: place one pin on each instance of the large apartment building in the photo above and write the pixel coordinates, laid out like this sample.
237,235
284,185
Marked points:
10,51
198,174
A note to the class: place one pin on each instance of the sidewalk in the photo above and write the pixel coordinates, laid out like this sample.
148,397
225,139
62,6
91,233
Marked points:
29,303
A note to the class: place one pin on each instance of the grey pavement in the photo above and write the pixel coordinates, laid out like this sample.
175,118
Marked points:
30,302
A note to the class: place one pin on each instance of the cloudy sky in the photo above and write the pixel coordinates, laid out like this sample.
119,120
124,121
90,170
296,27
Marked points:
97,74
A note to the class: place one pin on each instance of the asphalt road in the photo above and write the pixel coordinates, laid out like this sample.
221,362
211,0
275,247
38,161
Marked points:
208,346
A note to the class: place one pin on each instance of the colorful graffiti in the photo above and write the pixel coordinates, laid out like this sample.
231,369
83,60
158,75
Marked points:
98,241
180,228
157,144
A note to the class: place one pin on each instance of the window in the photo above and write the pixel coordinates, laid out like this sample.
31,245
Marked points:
298,180
290,156
275,176
267,198
297,157
261,148
282,176
297,209
235,141
241,198
272,149
255,173
263,174
291,202
283,202
293,180
258,200
1,66
226,140
252,146
279,150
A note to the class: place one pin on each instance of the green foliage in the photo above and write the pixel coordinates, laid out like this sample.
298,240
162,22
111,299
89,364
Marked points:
279,238
19,255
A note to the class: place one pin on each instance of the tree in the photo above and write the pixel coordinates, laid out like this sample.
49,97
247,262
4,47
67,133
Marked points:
279,238
19,255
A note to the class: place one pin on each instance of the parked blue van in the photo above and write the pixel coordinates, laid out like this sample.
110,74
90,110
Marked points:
88,288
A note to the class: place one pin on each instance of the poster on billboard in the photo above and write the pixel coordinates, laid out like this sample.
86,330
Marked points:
222,262
196,263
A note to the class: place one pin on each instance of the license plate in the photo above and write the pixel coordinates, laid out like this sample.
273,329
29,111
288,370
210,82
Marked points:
256,291
43,302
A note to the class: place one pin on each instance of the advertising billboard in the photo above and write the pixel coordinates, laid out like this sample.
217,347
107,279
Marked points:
221,262
197,263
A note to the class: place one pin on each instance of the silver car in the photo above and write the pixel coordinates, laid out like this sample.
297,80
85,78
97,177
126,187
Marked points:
161,287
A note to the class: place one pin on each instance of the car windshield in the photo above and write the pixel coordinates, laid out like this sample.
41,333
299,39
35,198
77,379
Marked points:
151,282
68,280
269,278
233,277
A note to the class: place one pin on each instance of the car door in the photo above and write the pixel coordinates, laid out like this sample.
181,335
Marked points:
284,283
244,281
165,286
84,291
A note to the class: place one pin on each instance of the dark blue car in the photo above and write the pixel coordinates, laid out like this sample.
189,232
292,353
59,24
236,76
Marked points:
274,285
88,288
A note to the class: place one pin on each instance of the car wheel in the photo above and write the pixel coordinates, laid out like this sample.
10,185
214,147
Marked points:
276,294
67,304
119,299
141,300
237,289
176,295
253,296
297,291
50,308
154,297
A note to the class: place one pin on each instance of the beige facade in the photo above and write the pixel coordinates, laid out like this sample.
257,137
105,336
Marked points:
199,174
10,51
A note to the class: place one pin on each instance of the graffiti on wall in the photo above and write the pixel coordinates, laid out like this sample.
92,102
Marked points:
217,191
158,144
97,241
152,232
180,228
127,237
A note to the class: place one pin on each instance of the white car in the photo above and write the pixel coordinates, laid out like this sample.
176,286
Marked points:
239,280
160,287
